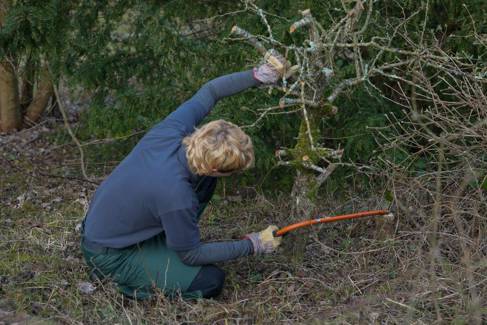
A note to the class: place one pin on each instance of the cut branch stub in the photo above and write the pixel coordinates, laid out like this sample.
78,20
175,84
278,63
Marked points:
251,39
300,23
269,55
306,20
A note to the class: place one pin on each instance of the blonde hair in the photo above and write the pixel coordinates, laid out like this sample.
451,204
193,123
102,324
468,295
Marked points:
219,146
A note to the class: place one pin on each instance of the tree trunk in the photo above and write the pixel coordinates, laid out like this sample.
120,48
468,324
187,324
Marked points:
11,118
305,185
42,95
26,80
303,208
3,11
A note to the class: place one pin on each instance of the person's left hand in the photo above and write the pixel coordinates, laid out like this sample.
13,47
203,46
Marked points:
274,68
264,241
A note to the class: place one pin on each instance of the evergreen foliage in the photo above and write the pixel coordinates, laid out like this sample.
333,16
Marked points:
140,63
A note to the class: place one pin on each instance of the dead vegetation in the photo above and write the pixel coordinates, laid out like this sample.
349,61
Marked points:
441,187
429,266
351,272
434,162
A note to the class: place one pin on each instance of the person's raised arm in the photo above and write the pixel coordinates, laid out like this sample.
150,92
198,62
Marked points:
194,110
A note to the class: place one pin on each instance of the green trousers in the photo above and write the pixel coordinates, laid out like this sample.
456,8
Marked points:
144,268
140,270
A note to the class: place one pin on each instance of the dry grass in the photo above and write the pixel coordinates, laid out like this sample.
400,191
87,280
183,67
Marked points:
352,272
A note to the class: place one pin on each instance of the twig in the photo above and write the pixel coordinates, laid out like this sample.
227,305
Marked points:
402,305
324,176
306,119
71,133
251,39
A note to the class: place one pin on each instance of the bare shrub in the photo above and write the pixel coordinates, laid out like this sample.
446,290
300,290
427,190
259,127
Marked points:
439,184
433,156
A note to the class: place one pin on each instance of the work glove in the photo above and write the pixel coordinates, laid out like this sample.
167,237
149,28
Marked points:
264,242
273,69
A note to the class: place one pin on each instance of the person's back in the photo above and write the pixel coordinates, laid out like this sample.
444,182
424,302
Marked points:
150,181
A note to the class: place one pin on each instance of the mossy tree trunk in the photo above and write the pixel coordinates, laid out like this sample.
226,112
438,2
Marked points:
305,183
308,153
304,207
312,161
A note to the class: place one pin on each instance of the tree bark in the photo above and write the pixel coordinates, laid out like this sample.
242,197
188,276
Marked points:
305,184
3,11
303,208
26,80
11,118
42,95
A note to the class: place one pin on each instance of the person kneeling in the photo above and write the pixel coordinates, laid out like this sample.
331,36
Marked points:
141,229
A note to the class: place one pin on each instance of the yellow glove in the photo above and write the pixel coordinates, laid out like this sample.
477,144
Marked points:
264,242
273,69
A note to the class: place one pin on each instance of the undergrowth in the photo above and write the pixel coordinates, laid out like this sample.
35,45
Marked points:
353,272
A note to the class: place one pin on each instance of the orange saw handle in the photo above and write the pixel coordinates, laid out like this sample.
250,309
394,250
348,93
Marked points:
307,223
